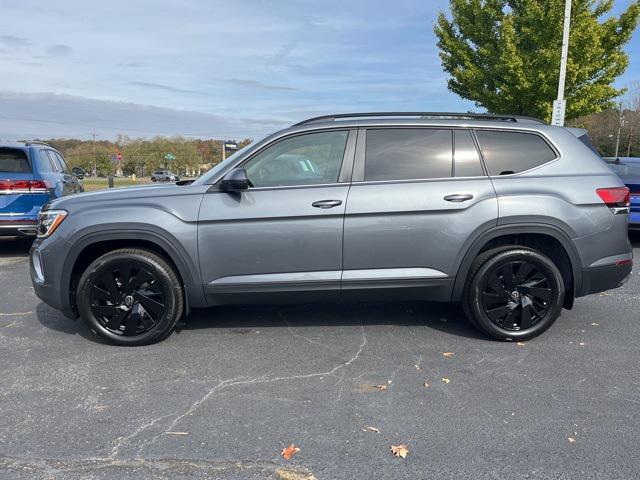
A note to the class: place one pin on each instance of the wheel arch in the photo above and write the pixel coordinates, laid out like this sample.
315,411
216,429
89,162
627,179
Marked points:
548,239
92,245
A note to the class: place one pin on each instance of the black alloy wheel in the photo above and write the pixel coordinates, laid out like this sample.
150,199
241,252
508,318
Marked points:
130,296
513,293
127,299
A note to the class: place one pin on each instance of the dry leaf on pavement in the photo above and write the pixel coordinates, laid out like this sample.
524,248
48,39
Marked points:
520,344
289,451
426,385
399,451
571,440
445,380
370,429
448,354
381,387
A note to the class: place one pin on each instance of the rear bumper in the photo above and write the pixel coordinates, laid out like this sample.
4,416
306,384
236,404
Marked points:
599,279
18,227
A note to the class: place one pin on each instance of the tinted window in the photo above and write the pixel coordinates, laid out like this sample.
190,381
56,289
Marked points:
55,164
466,157
44,163
408,153
61,162
513,152
13,161
313,158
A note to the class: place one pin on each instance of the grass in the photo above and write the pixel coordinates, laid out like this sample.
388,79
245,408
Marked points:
97,183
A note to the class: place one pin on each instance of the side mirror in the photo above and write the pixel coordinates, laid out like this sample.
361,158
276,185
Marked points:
235,181
78,173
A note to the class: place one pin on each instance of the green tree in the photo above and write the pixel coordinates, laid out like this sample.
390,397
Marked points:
505,54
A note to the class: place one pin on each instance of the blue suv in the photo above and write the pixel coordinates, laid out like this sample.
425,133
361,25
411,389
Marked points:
31,174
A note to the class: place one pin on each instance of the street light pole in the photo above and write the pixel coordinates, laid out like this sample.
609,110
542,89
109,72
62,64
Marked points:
95,162
559,105
620,122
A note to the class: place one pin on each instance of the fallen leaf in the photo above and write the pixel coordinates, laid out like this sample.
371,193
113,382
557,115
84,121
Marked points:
177,433
595,324
289,451
520,344
571,440
448,354
382,387
445,380
370,429
426,385
399,451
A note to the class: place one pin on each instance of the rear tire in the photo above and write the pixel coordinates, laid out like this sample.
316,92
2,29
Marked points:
130,297
513,293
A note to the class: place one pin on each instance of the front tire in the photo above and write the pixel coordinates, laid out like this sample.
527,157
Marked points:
513,293
130,297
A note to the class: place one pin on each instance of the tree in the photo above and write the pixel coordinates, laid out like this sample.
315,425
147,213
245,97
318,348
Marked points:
505,54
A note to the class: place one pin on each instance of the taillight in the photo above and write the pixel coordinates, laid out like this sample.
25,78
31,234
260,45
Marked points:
615,197
9,187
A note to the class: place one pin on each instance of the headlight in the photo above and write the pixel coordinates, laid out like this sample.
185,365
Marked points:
49,220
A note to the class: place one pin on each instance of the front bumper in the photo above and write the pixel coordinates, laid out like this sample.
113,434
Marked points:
607,277
45,268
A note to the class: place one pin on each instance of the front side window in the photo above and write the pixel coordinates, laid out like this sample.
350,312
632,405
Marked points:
62,163
310,159
408,154
513,152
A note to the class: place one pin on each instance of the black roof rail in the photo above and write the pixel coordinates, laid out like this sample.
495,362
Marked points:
434,115
28,143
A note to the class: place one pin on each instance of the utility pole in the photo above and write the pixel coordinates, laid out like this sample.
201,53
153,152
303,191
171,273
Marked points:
95,162
620,122
559,105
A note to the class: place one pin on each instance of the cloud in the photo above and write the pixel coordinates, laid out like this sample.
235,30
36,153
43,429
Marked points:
59,50
47,115
12,41
260,85
166,88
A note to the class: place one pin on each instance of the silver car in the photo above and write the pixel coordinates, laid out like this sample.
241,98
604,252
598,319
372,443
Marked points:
508,216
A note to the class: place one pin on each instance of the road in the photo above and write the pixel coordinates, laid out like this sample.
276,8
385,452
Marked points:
221,397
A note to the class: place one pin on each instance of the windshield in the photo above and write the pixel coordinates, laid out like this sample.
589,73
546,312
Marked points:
222,165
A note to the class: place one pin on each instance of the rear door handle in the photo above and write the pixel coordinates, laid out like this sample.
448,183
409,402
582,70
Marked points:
458,197
326,203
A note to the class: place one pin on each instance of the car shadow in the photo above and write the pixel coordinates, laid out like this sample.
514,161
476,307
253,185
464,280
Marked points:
15,246
446,318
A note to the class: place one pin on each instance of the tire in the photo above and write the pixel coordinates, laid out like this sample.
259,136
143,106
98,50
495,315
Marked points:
130,297
513,293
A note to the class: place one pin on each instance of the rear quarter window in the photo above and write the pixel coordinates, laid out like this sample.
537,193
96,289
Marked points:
513,152
13,160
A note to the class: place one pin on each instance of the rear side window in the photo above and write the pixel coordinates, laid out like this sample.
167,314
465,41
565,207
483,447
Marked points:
408,154
13,160
513,152
44,163
466,157
54,161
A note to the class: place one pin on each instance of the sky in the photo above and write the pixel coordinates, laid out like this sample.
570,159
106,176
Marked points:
218,68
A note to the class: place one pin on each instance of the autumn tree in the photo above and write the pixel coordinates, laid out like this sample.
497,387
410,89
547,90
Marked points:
505,54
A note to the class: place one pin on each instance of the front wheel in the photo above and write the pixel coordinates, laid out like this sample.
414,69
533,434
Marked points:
513,293
130,296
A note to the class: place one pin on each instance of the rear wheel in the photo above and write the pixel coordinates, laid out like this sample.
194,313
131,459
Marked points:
513,293
130,297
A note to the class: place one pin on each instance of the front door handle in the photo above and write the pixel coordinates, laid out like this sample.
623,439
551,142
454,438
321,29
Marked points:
326,203
458,197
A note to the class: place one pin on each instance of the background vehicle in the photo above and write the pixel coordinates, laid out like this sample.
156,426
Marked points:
31,174
506,215
164,176
628,169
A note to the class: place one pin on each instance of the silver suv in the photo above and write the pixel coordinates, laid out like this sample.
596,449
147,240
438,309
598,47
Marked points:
164,176
510,217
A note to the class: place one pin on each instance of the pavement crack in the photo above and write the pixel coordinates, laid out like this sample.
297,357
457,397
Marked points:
123,440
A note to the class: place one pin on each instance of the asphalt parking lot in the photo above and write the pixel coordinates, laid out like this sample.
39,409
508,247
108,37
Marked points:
223,396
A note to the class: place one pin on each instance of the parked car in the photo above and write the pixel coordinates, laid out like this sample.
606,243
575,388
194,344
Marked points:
164,176
509,216
628,169
31,174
